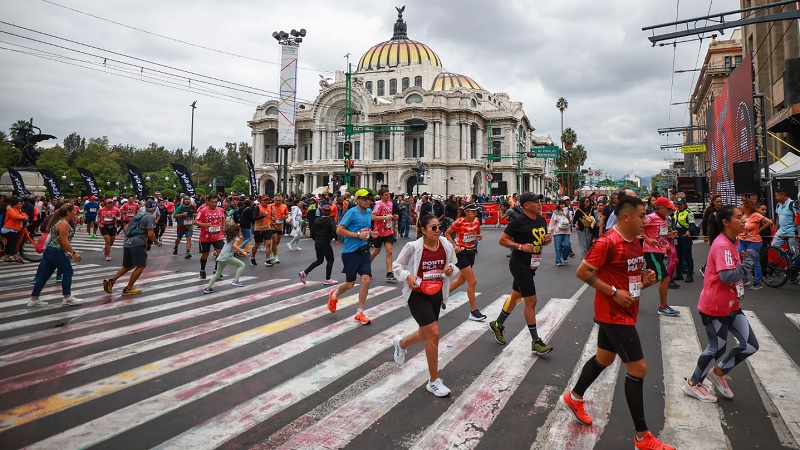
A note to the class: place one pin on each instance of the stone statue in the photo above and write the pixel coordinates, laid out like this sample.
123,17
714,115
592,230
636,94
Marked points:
400,27
25,139
400,11
325,82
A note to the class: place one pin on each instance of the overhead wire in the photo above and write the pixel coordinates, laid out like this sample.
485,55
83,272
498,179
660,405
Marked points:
672,76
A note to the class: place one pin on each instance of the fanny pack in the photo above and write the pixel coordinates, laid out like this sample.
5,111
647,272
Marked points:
430,287
363,249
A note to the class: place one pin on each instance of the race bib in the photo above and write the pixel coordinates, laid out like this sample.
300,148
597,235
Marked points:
470,237
663,231
130,214
635,286
278,221
388,224
108,219
213,229
740,289
188,222
92,209
433,275
536,260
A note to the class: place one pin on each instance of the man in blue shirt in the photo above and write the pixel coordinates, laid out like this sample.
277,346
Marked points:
784,221
91,207
355,227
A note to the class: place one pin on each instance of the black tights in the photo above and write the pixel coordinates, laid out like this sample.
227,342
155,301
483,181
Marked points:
324,252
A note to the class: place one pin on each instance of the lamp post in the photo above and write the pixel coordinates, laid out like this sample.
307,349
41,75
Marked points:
287,85
191,137
147,179
447,181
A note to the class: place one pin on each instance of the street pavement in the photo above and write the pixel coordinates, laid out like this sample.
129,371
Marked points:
267,366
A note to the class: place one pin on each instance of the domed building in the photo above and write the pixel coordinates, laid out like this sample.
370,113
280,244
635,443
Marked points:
395,82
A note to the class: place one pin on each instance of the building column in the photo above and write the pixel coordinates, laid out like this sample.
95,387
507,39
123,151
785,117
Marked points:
480,150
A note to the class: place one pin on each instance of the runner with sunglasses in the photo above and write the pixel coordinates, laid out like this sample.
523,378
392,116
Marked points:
467,231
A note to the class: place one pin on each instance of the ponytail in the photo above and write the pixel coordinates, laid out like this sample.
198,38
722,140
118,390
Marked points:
715,225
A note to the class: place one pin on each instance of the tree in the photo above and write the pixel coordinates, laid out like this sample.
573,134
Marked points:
569,137
562,106
9,154
74,145
240,185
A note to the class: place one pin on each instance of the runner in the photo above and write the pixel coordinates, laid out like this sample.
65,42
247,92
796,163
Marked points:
90,208
719,307
56,256
262,231
184,218
383,219
426,265
656,234
526,235
613,267
128,211
161,222
108,217
210,220
137,234
225,257
323,232
355,228
278,215
467,230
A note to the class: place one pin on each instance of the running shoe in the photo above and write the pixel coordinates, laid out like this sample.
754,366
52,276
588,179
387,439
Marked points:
291,248
390,277
399,352
253,262
302,277
187,255
329,282
437,388
71,301
36,303
237,283
477,316
689,278
332,301
720,383
362,318
202,274
698,391
108,285
444,304
576,408
757,287
59,278
108,258
747,283
703,271
650,442
269,263
558,264
33,281
673,285
131,291
208,290
564,262
668,311
276,260
497,329
298,249
175,250
540,348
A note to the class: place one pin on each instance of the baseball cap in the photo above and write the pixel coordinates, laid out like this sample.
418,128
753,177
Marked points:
151,204
680,201
471,207
530,197
265,197
362,193
663,201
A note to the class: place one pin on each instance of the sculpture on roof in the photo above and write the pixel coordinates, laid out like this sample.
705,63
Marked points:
400,28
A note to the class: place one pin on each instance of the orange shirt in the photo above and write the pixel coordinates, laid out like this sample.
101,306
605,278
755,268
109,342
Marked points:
278,214
263,224
14,219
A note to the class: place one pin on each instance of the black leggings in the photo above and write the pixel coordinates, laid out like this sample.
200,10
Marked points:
324,252
11,242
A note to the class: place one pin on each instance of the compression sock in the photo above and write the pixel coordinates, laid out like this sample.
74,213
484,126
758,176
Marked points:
534,333
203,264
634,394
591,370
502,317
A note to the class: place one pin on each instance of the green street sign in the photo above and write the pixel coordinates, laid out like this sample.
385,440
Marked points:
550,151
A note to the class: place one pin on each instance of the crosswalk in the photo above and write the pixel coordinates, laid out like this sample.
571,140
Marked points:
267,366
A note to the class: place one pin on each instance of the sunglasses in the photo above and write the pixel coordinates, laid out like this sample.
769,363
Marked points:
436,228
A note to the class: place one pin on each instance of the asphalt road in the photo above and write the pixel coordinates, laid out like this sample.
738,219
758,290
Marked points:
267,365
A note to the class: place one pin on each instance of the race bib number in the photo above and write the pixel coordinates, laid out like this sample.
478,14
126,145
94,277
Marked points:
663,231
536,260
635,286
130,214
92,209
470,237
278,221
213,229
108,219
188,222
433,275
388,224
740,289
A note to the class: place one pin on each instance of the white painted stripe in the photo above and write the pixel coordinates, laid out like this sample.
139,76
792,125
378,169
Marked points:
55,286
41,408
560,431
472,413
688,422
114,354
341,426
31,268
795,318
235,421
778,377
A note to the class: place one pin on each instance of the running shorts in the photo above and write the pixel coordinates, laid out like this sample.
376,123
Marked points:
523,279
355,264
465,260
620,339
262,235
425,310
108,231
378,241
205,247
134,256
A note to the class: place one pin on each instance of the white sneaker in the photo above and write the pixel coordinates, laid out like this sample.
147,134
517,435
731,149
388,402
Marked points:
399,352
329,282
699,392
36,303
291,249
720,384
71,301
437,388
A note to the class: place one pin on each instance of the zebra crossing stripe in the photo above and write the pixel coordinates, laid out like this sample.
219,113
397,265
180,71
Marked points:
55,287
93,338
684,416
778,377
474,411
560,431
31,268
341,426
115,354
795,318
47,406
224,427
117,422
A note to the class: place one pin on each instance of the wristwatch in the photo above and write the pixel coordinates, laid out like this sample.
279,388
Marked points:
613,291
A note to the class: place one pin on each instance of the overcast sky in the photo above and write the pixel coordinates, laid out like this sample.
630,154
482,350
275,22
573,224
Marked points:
592,53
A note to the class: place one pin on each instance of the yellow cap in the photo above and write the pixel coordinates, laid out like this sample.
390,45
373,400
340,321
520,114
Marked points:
362,193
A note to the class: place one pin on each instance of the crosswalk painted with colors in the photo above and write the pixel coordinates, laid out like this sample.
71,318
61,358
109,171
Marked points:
268,366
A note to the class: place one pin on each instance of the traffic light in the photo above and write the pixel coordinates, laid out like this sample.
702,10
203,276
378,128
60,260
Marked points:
349,163
348,149
489,166
531,155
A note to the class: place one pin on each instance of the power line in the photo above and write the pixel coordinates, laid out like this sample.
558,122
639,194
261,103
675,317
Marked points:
696,64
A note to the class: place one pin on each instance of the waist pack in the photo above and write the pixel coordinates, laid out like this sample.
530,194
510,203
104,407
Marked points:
430,287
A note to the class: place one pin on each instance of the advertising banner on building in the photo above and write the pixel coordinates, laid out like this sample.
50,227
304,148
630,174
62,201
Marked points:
136,180
185,177
16,181
89,182
51,183
288,96
252,173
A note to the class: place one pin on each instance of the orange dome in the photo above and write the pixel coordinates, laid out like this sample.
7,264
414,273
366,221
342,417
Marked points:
396,53
446,81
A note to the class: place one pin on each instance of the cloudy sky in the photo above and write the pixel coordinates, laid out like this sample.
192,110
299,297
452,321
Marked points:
592,53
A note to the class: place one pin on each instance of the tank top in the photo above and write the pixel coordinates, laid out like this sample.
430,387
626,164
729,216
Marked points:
54,235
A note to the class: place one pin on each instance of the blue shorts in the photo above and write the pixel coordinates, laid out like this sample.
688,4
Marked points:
187,233
356,263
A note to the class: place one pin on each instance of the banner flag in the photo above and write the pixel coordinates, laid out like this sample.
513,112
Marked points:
51,183
16,181
89,182
287,91
253,183
186,179
136,180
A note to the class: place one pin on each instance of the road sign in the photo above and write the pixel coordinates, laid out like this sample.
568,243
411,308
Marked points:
550,151
598,173
489,177
696,148
668,172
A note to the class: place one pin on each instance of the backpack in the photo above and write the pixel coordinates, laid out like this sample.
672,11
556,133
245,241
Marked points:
133,227
563,223
236,215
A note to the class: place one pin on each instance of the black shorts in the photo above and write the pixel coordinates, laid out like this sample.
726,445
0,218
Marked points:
262,235
523,278
465,259
205,247
108,231
90,219
655,262
378,241
425,310
620,339
277,231
355,264
134,256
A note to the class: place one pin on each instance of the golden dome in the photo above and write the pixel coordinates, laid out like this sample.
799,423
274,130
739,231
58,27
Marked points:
446,81
396,53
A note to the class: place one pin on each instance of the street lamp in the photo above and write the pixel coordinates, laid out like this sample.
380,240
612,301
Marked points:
191,138
292,38
147,179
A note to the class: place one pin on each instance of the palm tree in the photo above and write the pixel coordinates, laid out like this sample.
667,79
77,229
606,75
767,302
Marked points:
562,105
569,137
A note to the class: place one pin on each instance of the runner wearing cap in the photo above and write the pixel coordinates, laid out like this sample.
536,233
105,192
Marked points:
262,232
384,225
138,234
108,217
279,212
467,231
355,227
526,235
656,234
90,209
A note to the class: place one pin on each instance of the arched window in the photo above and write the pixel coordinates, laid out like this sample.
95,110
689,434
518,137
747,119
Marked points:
418,81
473,103
406,82
392,86
381,87
414,98
368,85
271,111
